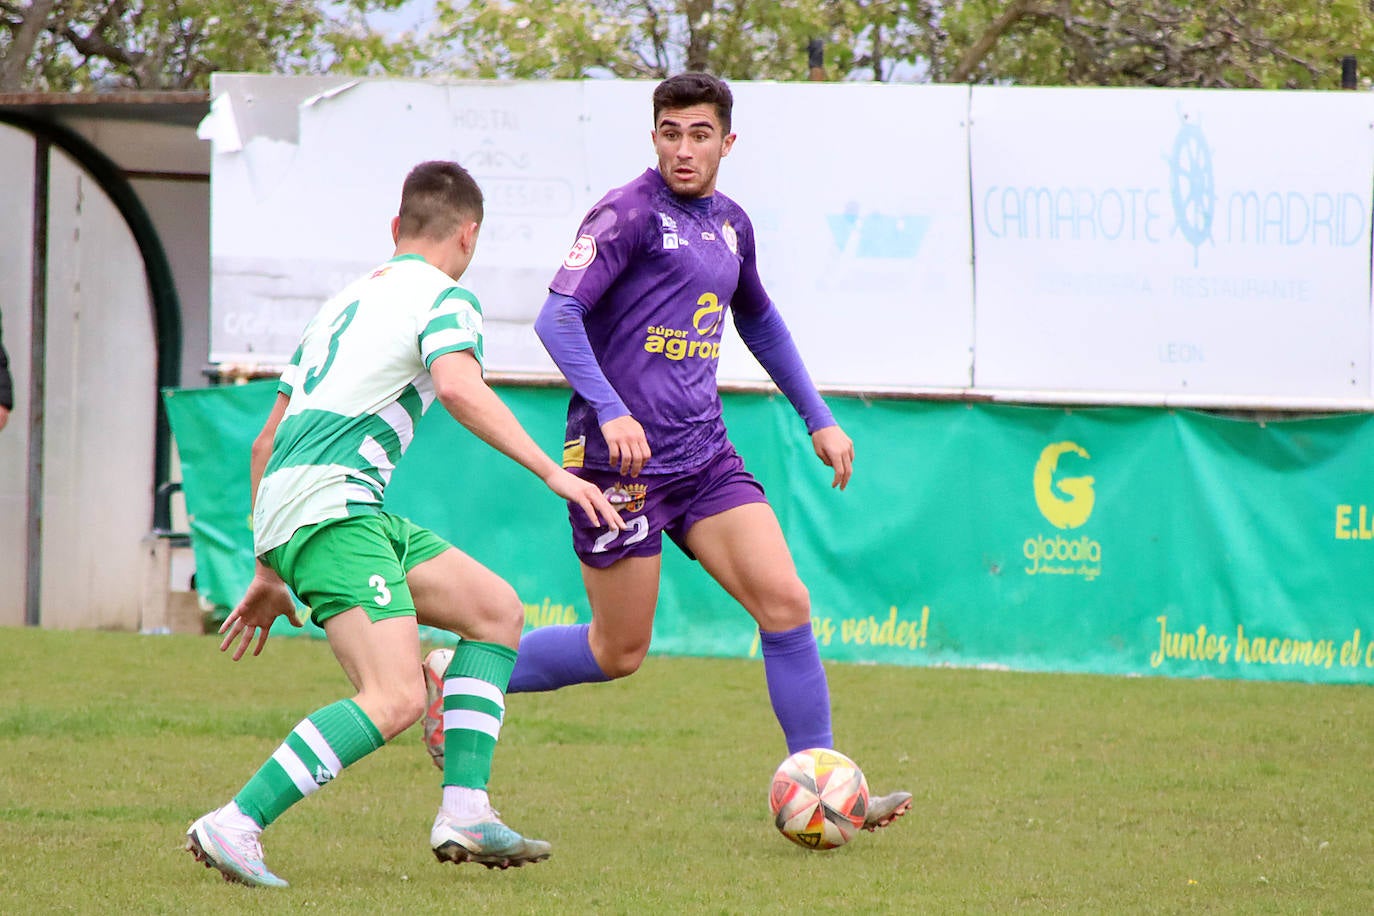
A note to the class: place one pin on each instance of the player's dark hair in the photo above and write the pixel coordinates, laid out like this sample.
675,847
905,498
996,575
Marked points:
694,88
436,199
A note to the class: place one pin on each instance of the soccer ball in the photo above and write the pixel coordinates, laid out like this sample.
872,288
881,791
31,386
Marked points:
819,798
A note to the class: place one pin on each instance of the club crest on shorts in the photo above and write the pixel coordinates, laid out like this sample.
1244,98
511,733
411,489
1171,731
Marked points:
582,253
627,497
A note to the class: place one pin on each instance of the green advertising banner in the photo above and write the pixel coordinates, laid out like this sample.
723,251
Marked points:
1109,540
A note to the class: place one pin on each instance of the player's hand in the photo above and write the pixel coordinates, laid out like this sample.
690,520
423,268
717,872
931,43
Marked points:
837,451
627,444
593,502
267,599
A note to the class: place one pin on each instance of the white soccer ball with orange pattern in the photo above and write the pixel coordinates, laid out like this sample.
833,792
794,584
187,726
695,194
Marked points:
819,798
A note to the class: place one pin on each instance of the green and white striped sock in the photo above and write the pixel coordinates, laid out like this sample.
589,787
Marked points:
474,705
316,751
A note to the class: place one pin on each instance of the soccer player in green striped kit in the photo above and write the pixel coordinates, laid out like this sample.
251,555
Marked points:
368,365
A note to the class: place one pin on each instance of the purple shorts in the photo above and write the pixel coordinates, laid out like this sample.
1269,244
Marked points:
651,504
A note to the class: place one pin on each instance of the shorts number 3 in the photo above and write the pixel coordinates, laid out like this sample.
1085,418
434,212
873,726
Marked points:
383,593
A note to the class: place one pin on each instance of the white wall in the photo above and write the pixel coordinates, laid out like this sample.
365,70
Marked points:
99,367
100,409
16,247
100,399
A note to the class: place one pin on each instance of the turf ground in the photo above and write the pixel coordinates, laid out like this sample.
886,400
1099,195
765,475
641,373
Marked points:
1034,793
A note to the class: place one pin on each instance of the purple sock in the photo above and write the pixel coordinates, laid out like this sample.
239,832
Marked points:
553,657
797,687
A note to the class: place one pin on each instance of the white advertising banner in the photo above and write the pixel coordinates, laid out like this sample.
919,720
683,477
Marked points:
858,194
859,198
295,216
1138,244
1211,243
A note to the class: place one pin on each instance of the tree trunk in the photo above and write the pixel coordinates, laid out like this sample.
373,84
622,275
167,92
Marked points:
988,40
15,64
700,27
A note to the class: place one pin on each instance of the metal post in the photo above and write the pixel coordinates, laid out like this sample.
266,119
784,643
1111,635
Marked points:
1349,75
38,344
815,56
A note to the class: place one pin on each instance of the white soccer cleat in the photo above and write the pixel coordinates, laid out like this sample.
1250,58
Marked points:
236,853
485,840
436,663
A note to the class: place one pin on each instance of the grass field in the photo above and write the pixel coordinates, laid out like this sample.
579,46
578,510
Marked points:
1034,793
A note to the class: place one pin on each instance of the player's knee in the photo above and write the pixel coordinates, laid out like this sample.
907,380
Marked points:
510,618
621,660
620,665
500,619
786,605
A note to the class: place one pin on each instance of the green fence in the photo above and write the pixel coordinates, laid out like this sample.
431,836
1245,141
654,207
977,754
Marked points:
1110,540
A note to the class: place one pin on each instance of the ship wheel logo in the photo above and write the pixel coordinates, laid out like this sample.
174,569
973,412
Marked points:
1192,186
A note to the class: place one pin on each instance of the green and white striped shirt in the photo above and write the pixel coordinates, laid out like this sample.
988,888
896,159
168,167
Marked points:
359,383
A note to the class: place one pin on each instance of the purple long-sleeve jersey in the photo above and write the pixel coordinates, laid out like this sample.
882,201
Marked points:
657,274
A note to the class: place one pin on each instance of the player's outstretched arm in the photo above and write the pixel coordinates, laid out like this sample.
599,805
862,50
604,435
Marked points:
267,599
459,385
836,449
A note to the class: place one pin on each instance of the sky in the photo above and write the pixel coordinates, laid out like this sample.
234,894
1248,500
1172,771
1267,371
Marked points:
414,16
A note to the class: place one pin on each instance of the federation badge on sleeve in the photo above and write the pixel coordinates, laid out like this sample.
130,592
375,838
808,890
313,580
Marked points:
583,252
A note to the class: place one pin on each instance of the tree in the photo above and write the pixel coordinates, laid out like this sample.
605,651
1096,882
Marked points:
564,39
1252,43
177,44
70,45
23,36
737,39
1273,44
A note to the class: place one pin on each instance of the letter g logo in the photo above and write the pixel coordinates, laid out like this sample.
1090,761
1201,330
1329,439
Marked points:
1061,512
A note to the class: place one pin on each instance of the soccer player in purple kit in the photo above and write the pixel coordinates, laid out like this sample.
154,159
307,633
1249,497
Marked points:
634,320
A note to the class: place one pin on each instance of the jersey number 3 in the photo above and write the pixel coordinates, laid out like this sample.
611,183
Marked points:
341,323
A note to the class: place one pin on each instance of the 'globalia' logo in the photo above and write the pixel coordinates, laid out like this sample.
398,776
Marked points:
1058,511
1066,503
